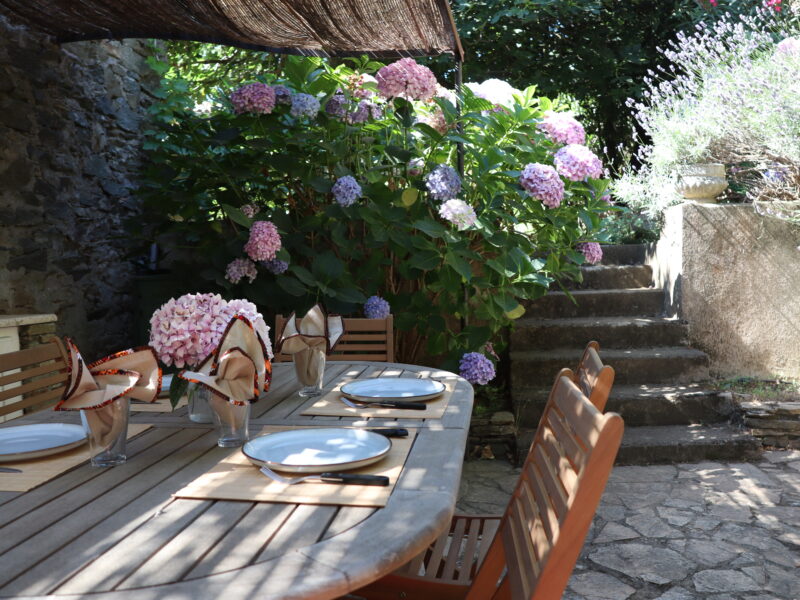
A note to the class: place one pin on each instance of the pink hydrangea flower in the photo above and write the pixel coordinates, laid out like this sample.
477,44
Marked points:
256,98
264,242
459,213
249,210
239,268
562,128
355,85
576,163
437,120
406,78
592,251
543,183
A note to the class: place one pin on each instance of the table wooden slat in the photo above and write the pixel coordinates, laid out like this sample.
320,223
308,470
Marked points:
304,527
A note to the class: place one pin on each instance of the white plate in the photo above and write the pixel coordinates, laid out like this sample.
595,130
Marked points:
32,441
317,450
393,388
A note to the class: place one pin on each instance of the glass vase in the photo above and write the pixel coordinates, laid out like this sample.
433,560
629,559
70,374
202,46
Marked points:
107,430
232,422
198,397
309,364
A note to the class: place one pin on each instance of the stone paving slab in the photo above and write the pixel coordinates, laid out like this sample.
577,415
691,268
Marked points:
711,530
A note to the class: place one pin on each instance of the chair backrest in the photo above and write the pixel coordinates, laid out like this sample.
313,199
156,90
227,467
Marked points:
33,378
363,339
550,512
593,378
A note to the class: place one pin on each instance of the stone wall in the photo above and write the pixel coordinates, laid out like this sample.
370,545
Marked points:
70,134
733,275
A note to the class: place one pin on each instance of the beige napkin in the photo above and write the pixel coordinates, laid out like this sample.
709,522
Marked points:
238,370
309,340
133,373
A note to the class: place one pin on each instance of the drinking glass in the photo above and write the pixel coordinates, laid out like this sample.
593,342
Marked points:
309,364
107,430
198,397
231,420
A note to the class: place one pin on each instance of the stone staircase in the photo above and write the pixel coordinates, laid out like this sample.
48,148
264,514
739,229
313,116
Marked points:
670,416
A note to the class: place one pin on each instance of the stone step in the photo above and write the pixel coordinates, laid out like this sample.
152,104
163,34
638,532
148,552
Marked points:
611,332
642,405
668,364
674,444
598,303
607,277
624,254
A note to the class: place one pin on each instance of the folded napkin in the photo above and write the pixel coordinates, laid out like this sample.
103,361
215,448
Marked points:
133,373
238,370
314,330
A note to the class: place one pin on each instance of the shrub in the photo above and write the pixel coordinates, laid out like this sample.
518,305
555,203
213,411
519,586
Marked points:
364,195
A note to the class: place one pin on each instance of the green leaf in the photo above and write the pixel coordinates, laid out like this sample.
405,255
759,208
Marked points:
327,266
459,264
425,260
409,197
506,302
291,286
303,275
431,227
236,215
321,184
177,390
351,295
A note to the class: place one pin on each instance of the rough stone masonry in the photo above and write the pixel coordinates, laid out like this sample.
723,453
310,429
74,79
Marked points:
70,140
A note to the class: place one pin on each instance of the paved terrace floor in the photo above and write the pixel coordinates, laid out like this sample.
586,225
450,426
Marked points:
726,531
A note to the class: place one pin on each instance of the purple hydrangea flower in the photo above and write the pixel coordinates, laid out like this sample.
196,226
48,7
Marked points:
283,95
346,190
562,128
239,268
406,78
336,106
459,213
576,163
256,98
377,308
304,105
365,110
476,368
443,183
592,251
543,183
275,266
264,241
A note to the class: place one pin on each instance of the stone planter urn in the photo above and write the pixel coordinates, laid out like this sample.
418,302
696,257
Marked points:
701,182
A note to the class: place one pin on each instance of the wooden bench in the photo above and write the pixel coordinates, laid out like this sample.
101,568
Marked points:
530,551
363,339
37,375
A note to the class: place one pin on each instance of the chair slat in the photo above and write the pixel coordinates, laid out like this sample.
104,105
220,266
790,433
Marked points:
582,417
514,538
546,511
30,356
31,386
48,397
348,347
573,451
555,453
453,552
353,344
541,545
558,498
433,563
465,573
489,529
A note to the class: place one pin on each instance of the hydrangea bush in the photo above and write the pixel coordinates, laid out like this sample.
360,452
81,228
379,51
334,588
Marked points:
359,204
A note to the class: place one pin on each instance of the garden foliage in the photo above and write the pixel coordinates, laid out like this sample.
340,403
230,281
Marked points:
365,199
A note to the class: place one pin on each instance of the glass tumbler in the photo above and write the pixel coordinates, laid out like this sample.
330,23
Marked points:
199,409
107,430
232,422
309,364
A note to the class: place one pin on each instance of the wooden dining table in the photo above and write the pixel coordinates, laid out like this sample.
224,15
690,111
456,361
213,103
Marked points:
119,533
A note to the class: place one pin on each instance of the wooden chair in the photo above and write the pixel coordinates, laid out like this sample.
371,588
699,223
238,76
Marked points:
37,377
363,339
528,552
593,378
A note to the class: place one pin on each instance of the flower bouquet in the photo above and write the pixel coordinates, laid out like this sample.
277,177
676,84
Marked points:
185,332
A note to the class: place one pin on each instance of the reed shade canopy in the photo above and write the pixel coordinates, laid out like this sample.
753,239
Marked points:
379,28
